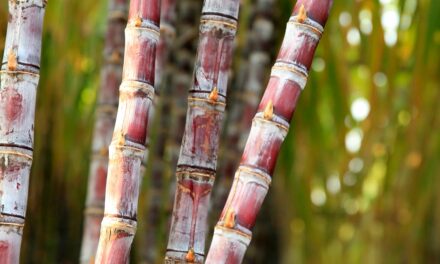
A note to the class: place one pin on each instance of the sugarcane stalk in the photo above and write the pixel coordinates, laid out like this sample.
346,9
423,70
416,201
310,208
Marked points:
151,247
19,80
127,149
250,84
111,75
184,50
198,155
174,105
174,80
252,76
289,75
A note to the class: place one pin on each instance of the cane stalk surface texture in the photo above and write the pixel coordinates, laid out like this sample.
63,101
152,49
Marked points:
150,252
19,80
127,149
289,75
197,162
184,51
251,79
111,75
250,83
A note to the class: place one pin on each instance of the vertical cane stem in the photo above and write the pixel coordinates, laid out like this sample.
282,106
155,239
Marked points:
111,75
127,149
150,249
18,90
198,154
269,128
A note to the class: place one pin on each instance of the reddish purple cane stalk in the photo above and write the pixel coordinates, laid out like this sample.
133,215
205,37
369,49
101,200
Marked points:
245,102
150,250
18,90
111,75
197,163
270,126
127,149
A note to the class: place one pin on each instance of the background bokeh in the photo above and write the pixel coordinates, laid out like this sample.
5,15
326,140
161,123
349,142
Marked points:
358,179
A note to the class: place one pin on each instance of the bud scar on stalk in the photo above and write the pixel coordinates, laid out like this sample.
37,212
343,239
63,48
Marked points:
137,22
230,219
12,60
302,14
121,139
190,256
213,96
268,111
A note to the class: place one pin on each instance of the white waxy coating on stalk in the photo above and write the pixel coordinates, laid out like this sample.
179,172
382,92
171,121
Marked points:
135,86
298,34
268,132
276,121
198,156
22,89
127,149
19,78
247,174
119,224
221,7
122,203
308,26
146,30
234,236
291,72
197,108
110,79
25,46
14,188
210,23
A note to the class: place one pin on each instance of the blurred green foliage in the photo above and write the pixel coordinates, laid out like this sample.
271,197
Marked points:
358,175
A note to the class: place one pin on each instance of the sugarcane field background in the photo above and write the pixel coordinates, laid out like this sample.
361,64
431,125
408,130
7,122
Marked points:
357,178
